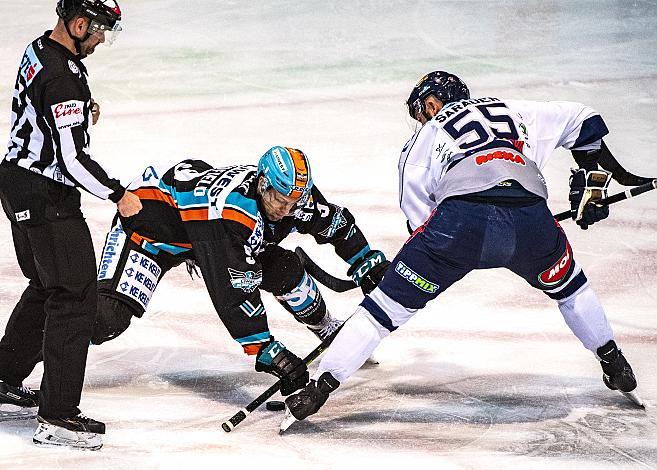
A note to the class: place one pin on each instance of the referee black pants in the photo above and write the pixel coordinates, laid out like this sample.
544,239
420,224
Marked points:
53,319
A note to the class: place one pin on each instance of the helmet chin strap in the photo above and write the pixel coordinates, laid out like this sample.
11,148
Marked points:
77,41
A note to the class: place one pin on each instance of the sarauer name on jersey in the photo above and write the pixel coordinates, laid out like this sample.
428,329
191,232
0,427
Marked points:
455,108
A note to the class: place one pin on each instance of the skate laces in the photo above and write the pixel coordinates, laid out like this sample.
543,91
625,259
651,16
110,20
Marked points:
330,328
26,390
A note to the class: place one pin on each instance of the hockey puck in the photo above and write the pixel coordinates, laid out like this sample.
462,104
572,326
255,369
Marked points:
274,405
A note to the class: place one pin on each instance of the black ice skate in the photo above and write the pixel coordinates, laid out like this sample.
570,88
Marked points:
77,432
19,396
617,373
308,400
17,402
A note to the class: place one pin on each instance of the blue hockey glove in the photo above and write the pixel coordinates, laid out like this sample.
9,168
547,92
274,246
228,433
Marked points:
586,187
274,358
368,271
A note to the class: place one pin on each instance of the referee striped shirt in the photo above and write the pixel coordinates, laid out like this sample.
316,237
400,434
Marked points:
51,120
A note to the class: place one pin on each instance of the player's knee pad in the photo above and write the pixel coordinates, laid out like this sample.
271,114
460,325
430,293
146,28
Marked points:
112,318
304,301
282,270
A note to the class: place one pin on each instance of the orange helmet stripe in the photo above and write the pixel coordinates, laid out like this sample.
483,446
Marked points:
300,170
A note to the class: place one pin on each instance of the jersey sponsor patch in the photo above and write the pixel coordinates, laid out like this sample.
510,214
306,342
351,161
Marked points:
248,281
111,252
415,279
499,155
68,114
30,65
255,241
139,278
558,272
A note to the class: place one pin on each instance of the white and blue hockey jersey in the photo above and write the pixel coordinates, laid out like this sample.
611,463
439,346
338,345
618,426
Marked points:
476,144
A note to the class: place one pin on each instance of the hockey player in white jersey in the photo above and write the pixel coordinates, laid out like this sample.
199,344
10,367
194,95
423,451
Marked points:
472,190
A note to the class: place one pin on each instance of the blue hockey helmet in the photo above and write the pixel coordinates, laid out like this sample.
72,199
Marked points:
287,170
443,85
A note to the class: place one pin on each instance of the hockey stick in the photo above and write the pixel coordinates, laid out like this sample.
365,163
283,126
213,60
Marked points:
334,283
615,198
238,417
342,285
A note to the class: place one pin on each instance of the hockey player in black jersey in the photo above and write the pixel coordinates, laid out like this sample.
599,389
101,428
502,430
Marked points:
47,159
228,222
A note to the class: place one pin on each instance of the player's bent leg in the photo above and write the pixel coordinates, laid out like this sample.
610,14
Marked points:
416,276
545,260
285,277
586,318
353,345
112,319
128,274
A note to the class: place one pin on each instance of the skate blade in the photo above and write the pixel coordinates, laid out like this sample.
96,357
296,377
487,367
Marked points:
10,412
371,361
634,398
48,435
288,421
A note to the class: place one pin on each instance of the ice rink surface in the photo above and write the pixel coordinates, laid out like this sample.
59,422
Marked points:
489,376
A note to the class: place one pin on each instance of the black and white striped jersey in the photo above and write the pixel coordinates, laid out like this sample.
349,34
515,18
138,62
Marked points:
51,120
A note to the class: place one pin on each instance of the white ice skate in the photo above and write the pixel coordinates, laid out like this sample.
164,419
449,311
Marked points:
78,432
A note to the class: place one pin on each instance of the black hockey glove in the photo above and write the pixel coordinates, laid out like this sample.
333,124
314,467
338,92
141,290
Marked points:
368,271
274,358
586,187
311,398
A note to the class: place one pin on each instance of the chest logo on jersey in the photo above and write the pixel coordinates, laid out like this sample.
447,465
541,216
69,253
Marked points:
500,155
30,65
74,68
559,271
247,281
68,114
415,279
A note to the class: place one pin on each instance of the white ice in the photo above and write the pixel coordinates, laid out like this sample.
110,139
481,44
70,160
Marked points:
488,376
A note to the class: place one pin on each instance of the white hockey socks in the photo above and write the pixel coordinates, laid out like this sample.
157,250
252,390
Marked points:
358,338
586,318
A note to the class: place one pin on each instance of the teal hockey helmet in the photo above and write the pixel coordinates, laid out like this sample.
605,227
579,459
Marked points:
287,170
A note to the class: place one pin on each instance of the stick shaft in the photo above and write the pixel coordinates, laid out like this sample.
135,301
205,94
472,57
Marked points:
241,415
334,283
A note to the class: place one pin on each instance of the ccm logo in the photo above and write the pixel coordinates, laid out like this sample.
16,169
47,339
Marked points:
557,272
500,155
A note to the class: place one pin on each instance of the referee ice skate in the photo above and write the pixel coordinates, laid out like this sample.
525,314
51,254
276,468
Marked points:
47,159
